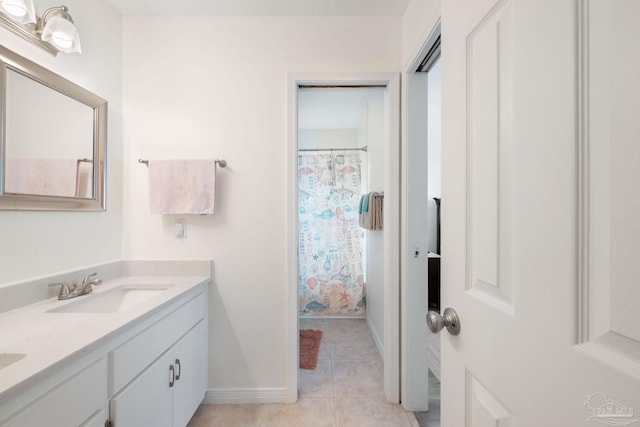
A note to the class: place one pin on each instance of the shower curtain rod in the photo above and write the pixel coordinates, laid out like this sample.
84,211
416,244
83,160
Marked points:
334,149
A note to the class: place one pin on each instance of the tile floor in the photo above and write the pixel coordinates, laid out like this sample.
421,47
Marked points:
431,418
345,389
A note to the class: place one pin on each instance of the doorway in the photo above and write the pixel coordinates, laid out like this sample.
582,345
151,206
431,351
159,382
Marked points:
340,165
421,250
434,254
389,185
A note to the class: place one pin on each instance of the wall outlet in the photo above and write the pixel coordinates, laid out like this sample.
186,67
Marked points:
181,229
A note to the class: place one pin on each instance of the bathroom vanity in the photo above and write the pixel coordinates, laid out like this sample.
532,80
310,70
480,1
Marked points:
131,353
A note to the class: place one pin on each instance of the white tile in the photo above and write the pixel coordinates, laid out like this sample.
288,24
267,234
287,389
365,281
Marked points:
317,382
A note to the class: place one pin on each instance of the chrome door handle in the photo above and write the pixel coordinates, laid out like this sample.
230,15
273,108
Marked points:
449,319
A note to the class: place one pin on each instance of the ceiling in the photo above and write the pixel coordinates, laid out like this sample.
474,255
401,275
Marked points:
262,7
334,108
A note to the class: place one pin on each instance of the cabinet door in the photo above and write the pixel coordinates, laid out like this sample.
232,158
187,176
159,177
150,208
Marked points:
191,351
147,400
97,420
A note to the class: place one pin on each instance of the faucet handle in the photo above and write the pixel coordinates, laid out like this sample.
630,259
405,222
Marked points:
65,292
89,277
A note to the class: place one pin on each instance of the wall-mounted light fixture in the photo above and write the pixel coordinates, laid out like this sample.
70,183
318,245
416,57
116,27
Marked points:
54,31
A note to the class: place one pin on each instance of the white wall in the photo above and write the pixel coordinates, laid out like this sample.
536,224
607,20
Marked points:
374,286
41,243
418,20
328,138
216,87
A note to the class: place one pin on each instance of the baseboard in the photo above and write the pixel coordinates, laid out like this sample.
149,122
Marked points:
376,338
332,316
245,395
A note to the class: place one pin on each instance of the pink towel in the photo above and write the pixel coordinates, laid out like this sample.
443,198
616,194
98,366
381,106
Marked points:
182,186
49,177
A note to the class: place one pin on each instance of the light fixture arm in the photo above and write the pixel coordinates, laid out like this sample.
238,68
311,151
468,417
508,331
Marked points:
27,33
43,19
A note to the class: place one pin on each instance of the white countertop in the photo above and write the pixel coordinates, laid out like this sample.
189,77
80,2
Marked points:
51,339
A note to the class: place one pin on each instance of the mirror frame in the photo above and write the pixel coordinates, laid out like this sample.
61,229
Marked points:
12,61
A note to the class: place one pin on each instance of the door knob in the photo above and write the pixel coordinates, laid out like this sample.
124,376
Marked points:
449,319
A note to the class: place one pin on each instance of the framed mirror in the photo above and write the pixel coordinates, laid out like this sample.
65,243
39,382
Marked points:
52,140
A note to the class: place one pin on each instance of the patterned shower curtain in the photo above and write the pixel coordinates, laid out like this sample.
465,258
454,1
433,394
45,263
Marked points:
330,278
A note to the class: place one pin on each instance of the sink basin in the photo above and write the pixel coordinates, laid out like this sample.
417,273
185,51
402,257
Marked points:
7,359
111,301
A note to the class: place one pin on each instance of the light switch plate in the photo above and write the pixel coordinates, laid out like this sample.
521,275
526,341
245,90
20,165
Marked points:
181,229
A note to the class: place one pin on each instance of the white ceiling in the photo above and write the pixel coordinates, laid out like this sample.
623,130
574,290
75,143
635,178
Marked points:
262,7
334,108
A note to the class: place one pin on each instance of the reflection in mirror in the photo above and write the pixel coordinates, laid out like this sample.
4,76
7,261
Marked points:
43,159
53,141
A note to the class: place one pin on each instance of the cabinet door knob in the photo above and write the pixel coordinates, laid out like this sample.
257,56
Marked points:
178,369
172,375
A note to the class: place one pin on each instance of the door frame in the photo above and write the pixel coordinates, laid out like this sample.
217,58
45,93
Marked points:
414,393
391,230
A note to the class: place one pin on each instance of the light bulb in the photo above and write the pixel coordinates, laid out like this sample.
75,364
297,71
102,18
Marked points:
60,41
14,10
20,11
60,31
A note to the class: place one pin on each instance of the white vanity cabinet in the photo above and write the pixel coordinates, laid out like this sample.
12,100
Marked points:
170,386
78,399
169,391
145,367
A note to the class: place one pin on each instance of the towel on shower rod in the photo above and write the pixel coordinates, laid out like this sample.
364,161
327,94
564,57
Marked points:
370,215
182,186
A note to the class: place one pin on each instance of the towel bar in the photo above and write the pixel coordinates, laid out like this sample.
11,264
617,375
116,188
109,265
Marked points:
220,162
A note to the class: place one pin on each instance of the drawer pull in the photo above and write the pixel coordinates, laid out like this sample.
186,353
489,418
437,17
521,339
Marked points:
172,376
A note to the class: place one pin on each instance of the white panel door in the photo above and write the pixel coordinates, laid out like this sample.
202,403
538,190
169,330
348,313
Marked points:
541,212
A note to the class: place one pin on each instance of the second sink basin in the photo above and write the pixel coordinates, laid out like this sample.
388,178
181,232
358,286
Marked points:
7,359
111,301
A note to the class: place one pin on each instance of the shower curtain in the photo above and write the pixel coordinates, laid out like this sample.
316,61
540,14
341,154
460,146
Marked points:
330,277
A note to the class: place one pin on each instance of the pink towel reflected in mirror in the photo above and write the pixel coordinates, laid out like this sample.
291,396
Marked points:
46,177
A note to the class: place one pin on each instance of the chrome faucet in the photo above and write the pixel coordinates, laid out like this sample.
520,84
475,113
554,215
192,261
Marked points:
65,291
75,290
